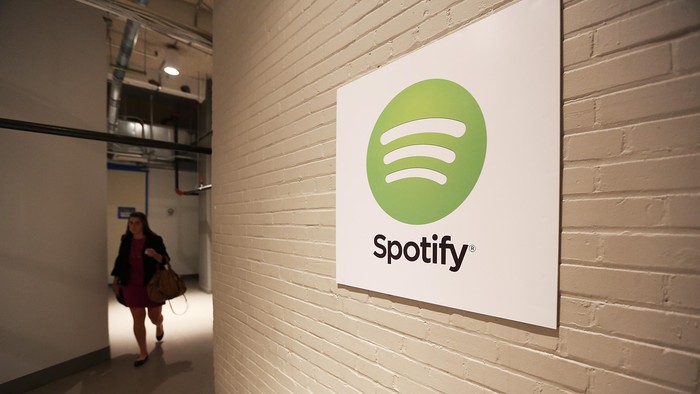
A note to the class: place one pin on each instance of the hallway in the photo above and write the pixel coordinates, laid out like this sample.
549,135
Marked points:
181,363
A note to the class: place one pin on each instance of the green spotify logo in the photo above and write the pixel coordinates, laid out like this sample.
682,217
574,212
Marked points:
426,151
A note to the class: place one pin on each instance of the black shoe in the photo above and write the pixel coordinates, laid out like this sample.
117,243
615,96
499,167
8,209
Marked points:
139,363
160,337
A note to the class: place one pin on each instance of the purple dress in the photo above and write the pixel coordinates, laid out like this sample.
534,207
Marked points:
135,294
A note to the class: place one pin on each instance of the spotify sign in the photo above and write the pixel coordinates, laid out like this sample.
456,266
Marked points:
448,168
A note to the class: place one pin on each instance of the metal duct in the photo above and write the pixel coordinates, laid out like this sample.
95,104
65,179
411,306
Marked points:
131,32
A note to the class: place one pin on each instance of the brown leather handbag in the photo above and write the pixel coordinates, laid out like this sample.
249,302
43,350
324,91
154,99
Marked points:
165,285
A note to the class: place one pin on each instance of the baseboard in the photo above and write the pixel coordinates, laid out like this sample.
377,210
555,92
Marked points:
191,277
58,371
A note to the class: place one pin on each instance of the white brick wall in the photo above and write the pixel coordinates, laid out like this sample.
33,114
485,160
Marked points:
630,243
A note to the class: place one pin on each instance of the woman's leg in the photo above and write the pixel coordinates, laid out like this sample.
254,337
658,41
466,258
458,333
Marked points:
139,315
156,316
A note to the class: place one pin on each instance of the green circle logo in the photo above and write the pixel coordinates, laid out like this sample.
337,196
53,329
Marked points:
426,151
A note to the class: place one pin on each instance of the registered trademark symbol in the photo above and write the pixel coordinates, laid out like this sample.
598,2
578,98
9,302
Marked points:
472,248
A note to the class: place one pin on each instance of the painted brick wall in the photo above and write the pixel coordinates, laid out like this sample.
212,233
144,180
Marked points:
630,243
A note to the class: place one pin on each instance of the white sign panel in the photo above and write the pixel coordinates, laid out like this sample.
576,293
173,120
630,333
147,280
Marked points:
448,168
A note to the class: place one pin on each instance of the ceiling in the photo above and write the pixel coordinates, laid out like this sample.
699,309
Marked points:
148,95
186,24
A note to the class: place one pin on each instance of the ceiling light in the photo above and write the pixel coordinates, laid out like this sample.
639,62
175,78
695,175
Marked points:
171,60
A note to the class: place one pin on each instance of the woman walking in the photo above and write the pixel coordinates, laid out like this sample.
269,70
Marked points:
141,253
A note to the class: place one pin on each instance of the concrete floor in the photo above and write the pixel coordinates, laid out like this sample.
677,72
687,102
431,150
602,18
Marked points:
181,363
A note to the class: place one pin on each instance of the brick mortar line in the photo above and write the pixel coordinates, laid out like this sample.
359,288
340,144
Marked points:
626,158
613,230
642,308
662,194
622,269
634,268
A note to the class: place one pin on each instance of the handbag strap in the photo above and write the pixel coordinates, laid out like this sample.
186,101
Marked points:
187,306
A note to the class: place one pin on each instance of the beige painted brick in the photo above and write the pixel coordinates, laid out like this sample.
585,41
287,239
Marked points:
501,380
579,115
473,345
612,212
680,134
388,339
543,339
686,53
579,180
432,27
593,145
434,313
591,12
612,285
653,24
617,71
406,324
684,291
369,372
409,368
463,11
579,247
524,334
516,333
683,211
610,382
672,367
370,61
576,312
406,20
546,366
403,384
402,44
434,355
446,383
387,11
652,100
652,251
592,348
577,49
469,322
674,173
674,330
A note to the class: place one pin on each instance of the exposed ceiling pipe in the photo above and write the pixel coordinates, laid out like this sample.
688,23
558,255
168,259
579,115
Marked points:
131,32
22,125
191,35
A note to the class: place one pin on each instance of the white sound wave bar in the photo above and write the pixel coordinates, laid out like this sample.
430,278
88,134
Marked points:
434,151
425,173
430,125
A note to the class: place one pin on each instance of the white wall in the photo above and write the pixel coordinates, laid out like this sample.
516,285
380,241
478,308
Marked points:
125,188
180,230
53,196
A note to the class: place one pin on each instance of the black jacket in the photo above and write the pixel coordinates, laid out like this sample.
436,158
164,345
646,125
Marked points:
150,265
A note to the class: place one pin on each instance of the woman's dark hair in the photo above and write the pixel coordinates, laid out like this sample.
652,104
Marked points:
144,221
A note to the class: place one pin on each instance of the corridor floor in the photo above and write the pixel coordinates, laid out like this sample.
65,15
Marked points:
181,363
